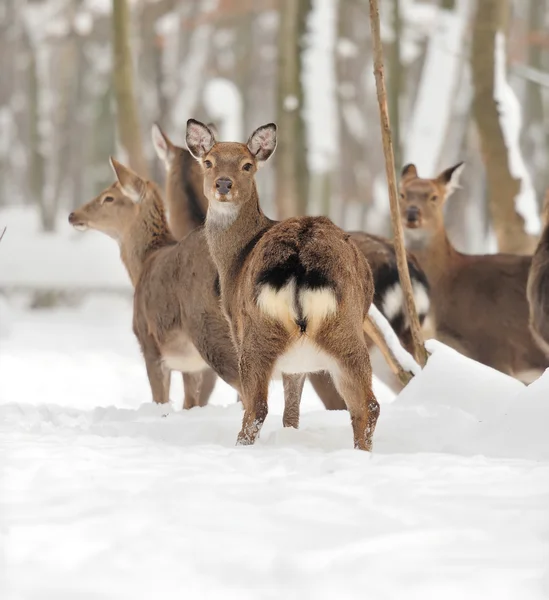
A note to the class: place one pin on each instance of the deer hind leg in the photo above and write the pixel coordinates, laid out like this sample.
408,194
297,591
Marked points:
353,379
209,379
293,388
256,362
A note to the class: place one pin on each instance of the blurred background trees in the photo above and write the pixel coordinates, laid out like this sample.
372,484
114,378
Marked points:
83,79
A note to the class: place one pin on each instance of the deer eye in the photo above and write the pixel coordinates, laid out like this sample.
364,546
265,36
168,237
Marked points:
247,167
434,197
402,196
108,199
208,164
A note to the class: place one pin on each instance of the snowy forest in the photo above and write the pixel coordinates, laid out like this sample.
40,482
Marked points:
119,474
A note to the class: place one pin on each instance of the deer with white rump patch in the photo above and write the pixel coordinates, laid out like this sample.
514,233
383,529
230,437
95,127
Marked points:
187,208
296,293
478,302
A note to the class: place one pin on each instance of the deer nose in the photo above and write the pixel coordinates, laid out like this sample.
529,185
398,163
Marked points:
71,218
412,214
223,185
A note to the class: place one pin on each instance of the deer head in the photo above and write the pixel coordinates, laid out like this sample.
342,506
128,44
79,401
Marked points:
422,201
229,167
116,207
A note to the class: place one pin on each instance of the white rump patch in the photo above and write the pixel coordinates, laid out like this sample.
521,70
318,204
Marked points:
279,304
317,305
222,214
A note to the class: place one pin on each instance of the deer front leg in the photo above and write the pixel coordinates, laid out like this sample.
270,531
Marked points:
293,388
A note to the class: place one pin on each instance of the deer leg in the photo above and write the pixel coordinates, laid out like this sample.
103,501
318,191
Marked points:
159,379
352,376
293,388
192,384
209,379
255,369
326,391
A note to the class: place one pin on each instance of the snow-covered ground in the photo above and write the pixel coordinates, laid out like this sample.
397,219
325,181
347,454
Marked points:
106,496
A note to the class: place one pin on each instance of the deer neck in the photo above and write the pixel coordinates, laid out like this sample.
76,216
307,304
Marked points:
184,197
433,250
147,233
230,229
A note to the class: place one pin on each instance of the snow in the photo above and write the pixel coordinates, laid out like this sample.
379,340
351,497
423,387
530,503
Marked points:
31,259
226,115
105,495
509,110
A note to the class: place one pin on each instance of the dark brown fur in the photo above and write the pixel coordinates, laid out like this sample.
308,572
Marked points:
300,281
479,304
538,286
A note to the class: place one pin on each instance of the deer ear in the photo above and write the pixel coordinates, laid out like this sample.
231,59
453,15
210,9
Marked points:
162,145
450,178
409,171
200,139
212,127
262,142
132,185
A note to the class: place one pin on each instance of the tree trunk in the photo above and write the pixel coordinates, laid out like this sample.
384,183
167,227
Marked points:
396,80
292,173
417,341
129,131
503,187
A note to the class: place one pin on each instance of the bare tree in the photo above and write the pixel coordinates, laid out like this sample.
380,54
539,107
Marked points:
292,173
503,187
129,130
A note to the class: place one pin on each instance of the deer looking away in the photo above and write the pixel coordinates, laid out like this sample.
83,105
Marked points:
296,293
185,191
478,302
174,307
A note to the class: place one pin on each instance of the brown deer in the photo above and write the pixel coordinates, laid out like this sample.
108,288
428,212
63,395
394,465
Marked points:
538,285
296,293
478,302
182,176
177,319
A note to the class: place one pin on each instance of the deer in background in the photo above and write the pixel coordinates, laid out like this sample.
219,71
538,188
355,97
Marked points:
538,285
478,302
183,174
296,293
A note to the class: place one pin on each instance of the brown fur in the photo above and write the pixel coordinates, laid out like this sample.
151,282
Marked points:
538,286
479,304
175,311
305,255
379,252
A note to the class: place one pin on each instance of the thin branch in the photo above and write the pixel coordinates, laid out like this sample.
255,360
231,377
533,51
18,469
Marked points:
402,263
3,232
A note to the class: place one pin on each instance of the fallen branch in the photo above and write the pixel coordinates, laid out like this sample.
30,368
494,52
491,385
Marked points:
419,349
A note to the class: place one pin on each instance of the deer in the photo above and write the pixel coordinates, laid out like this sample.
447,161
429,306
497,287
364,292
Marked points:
176,316
478,302
296,293
538,285
182,191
